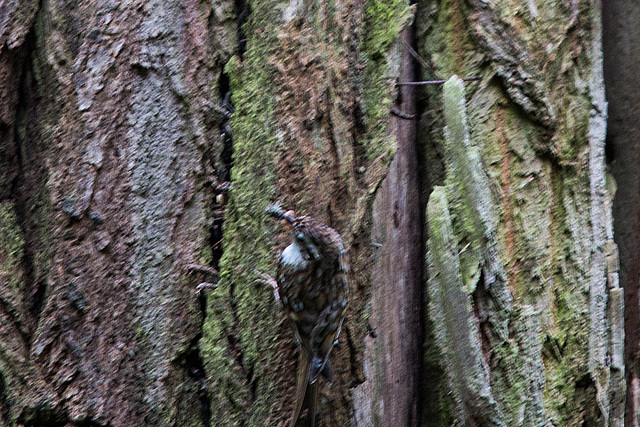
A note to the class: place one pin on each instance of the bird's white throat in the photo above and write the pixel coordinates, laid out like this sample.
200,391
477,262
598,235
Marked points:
292,256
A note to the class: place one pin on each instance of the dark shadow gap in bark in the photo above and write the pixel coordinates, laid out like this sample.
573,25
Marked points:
36,302
193,365
243,11
27,183
5,407
411,228
609,151
481,306
621,49
226,132
585,390
193,360
217,230
431,373
417,109
194,368
43,416
354,363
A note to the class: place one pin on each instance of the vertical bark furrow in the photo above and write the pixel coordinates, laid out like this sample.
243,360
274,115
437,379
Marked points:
609,381
621,41
396,274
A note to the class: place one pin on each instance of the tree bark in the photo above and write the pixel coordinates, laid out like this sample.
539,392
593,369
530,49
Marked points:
520,233
140,143
111,152
390,393
312,129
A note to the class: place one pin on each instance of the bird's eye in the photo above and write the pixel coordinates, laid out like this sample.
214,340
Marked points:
300,236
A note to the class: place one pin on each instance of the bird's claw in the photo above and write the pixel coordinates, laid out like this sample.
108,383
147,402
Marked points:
204,285
197,268
265,279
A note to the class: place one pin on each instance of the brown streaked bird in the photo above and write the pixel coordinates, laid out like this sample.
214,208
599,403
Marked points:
314,290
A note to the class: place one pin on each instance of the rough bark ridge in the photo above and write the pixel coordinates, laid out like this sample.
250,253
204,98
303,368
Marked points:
389,395
108,135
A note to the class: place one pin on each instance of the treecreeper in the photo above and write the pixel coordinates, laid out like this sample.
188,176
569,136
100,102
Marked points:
313,287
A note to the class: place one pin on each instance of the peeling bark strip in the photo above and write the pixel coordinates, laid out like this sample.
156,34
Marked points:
468,183
457,332
456,327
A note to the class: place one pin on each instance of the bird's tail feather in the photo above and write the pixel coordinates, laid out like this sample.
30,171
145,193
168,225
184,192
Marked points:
312,394
302,380
306,392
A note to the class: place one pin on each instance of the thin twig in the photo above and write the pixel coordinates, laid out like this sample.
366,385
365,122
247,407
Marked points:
436,82
417,57
402,115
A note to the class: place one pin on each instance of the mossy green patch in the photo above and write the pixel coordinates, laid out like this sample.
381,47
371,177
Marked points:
242,316
378,101
384,20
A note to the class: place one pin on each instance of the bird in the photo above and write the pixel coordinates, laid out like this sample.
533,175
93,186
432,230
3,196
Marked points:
313,286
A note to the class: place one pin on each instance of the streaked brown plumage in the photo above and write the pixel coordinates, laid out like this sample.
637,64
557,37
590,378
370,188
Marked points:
314,290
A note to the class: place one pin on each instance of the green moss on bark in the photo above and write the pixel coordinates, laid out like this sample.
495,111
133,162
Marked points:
242,318
384,21
540,187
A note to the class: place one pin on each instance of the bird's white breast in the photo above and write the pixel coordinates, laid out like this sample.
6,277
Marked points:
292,256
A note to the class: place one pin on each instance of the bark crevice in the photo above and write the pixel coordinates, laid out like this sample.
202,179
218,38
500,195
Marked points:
621,47
25,185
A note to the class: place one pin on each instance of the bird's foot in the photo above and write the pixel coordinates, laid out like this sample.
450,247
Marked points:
265,279
204,285
197,268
